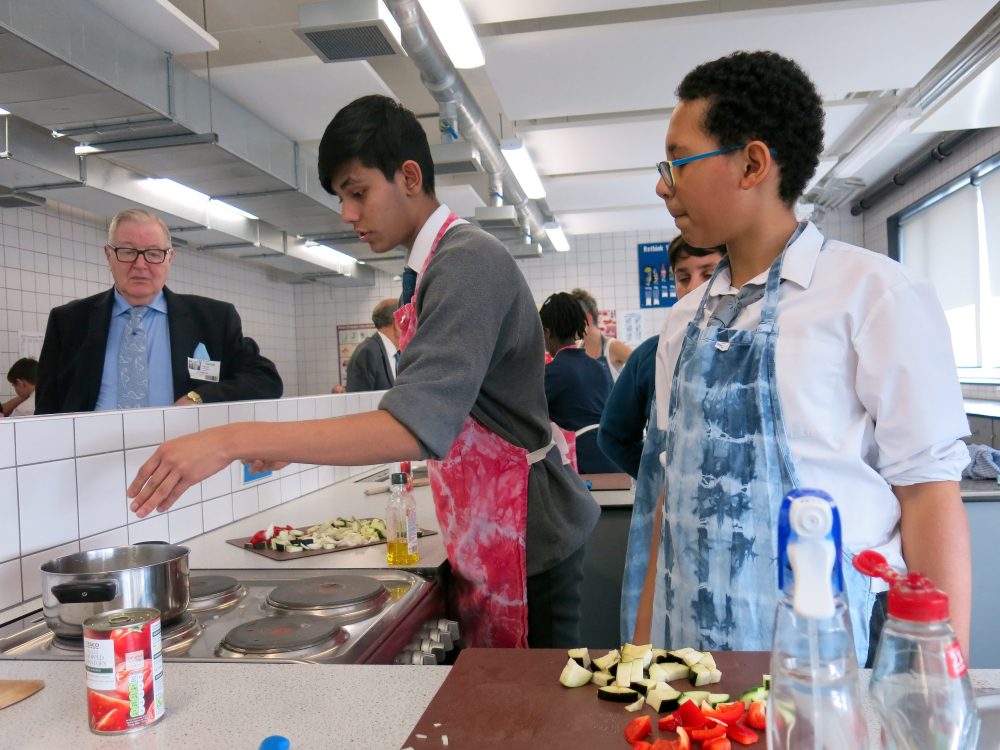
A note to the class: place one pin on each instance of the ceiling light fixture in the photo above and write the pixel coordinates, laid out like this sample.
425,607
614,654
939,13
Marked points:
521,165
897,123
328,253
176,191
4,112
216,203
454,30
556,236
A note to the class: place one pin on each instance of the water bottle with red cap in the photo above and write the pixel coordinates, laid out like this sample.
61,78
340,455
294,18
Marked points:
920,683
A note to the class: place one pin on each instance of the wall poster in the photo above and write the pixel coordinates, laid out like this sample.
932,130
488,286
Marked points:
348,338
656,281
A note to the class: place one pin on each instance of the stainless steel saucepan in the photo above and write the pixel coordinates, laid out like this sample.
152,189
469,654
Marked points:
77,586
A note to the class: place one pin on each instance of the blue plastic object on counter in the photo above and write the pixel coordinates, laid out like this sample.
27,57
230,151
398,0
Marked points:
275,742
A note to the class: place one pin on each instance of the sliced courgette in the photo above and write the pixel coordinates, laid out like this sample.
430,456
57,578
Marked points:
714,699
698,696
758,693
617,694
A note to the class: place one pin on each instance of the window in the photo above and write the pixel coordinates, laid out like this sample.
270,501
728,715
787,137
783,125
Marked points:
952,237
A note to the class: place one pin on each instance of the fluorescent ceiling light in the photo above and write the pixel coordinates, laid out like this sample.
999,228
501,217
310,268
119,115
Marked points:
824,166
897,123
557,237
455,32
327,253
521,165
178,192
4,112
81,150
232,209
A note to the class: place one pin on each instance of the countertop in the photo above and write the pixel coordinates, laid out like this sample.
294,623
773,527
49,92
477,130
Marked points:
233,707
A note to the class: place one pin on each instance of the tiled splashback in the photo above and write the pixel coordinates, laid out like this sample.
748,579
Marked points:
63,480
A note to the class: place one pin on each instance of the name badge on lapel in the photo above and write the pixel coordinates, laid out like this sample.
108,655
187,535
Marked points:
200,367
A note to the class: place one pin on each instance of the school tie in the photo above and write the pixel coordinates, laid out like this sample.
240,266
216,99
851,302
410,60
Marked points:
730,305
409,284
133,373
396,357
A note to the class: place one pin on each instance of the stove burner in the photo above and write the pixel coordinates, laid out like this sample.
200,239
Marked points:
214,592
67,643
337,595
176,638
280,636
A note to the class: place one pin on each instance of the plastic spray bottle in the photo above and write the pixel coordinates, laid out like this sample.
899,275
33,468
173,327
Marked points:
815,698
920,684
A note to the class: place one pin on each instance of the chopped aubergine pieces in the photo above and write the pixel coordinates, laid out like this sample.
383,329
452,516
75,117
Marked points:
637,705
573,675
581,656
663,700
606,662
617,694
602,678
623,674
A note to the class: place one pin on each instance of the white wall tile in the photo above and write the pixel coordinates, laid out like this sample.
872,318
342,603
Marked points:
338,405
309,481
182,420
269,495
291,488
98,433
190,496
342,472
213,415
327,475
185,523
324,407
31,567
307,408
143,427
47,505
245,503
153,528
220,483
114,538
49,439
242,411
10,584
217,512
288,410
10,539
265,411
101,500
6,445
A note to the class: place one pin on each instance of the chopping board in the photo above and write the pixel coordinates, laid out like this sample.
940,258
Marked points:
12,691
512,699
619,481
275,555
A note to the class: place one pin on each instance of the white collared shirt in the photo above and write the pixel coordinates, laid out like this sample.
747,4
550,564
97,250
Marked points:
866,378
422,245
390,351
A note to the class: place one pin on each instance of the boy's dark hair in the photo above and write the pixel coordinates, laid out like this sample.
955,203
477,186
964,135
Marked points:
762,96
381,133
25,368
563,316
679,250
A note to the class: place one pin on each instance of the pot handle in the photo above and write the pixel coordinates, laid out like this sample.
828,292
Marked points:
84,593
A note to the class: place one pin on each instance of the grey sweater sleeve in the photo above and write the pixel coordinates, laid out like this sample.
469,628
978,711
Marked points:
462,305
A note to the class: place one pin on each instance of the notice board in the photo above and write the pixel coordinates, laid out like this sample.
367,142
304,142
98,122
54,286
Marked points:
657,287
348,338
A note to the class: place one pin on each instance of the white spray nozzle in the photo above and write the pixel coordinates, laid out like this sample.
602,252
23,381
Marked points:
811,554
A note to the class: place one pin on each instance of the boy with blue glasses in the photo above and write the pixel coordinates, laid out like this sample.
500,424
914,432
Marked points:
805,362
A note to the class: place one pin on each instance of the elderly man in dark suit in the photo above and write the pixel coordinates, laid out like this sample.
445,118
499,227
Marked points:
373,364
139,344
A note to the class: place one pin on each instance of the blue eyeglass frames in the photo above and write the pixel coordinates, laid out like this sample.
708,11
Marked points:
666,168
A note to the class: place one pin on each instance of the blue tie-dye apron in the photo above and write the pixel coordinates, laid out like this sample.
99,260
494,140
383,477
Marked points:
728,466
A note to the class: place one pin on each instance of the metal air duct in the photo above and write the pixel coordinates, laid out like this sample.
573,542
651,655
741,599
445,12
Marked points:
348,30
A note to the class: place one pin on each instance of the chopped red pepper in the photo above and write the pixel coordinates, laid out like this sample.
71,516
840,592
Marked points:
666,745
689,715
260,536
726,712
641,745
639,728
742,734
720,743
712,730
757,715
668,723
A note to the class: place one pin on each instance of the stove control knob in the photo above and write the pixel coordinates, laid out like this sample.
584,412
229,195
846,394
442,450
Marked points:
431,632
450,627
416,657
426,644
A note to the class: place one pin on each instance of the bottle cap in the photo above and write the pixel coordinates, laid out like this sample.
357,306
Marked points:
912,596
397,478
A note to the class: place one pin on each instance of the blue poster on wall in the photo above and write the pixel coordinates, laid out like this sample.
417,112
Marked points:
656,280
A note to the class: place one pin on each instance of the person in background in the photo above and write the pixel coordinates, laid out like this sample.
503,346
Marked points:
373,363
805,362
623,421
576,386
469,395
139,344
612,352
22,375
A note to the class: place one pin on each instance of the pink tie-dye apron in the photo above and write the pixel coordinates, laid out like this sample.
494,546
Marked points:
481,499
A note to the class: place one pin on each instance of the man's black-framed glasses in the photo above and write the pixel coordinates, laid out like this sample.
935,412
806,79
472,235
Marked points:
155,255
666,168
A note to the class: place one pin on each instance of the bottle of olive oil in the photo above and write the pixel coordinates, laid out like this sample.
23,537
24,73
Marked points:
401,523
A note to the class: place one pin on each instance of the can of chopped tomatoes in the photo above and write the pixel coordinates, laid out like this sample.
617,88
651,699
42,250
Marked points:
124,661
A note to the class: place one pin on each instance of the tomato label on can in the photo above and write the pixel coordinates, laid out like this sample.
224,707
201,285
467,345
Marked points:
124,662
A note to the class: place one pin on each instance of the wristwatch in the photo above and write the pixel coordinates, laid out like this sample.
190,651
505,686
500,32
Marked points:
194,396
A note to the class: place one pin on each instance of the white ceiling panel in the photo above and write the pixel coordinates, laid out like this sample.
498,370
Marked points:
607,146
463,200
977,105
839,117
589,192
298,96
636,66
491,11
618,220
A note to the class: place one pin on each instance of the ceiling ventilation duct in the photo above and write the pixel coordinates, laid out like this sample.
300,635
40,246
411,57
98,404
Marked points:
492,218
349,30
10,199
458,157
